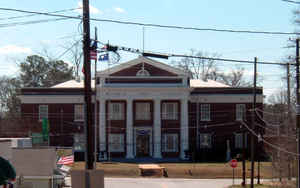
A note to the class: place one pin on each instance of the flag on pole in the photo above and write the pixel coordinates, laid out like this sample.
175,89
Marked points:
66,160
93,54
93,50
103,57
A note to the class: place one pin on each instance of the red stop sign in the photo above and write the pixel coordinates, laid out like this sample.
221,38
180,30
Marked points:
233,163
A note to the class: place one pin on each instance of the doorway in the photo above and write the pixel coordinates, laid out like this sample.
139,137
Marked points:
142,145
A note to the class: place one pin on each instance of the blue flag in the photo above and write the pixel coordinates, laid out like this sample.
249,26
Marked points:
103,57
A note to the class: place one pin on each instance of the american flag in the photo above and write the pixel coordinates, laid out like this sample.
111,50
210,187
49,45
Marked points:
93,55
66,160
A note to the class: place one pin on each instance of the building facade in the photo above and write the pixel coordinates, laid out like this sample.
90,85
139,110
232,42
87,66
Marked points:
145,108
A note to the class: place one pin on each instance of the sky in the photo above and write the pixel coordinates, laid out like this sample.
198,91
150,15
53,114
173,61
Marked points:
258,15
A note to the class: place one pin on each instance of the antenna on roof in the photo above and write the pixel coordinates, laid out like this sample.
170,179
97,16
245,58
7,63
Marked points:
143,65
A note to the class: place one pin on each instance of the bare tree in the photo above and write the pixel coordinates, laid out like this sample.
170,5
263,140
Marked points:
76,54
198,68
205,69
235,78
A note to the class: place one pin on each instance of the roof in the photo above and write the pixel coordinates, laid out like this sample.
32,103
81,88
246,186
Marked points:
73,84
209,83
139,60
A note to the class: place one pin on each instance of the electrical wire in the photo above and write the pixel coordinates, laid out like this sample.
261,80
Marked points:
157,25
25,16
66,51
31,22
268,143
294,2
137,51
269,124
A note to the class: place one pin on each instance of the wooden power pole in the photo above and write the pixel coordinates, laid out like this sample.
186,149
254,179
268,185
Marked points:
289,115
253,123
87,86
297,107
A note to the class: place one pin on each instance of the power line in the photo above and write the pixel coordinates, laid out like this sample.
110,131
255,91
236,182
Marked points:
25,16
132,50
158,25
289,1
227,60
268,143
31,22
75,43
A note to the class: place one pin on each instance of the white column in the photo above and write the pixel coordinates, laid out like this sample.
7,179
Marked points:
102,127
184,131
129,130
157,129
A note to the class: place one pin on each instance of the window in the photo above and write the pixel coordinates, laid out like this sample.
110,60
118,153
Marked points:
240,112
205,140
78,112
142,111
205,112
170,143
142,73
170,111
116,143
116,111
43,112
239,140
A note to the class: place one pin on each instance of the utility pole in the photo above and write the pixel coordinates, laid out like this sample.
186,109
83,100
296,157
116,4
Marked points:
289,115
252,123
244,157
298,107
87,86
95,107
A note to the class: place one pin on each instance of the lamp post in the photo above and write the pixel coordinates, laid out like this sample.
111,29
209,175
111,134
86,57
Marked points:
259,139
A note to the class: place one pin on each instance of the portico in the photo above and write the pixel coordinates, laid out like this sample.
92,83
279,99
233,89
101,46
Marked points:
144,138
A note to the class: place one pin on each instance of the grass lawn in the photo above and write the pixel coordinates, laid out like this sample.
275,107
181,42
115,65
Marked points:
290,184
181,170
248,186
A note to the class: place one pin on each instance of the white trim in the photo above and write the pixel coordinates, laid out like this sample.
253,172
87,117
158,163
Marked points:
112,105
225,98
81,113
157,128
174,115
150,85
43,105
148,77
102,127
53,99
129,130
139,60
184,129
203,113
121,139
240,112
175,142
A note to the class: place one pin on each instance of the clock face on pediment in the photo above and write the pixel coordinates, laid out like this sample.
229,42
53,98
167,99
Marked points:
143,70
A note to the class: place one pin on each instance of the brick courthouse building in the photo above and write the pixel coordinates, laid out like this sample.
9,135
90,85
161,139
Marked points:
147,109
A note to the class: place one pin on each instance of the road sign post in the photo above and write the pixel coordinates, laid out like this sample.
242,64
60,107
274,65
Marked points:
233,164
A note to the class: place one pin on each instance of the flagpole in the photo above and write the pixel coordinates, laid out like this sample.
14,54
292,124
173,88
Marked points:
95,105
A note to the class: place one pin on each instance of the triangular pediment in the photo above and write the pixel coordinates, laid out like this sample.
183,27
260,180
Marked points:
143,65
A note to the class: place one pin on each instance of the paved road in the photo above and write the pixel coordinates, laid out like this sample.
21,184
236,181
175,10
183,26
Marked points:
166,183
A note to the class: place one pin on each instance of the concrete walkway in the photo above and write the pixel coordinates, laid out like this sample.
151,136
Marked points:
166,183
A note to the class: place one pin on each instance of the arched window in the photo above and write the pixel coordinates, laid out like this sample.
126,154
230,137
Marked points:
142,72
